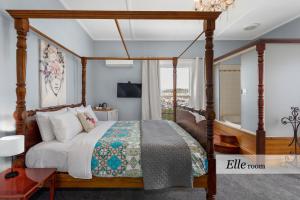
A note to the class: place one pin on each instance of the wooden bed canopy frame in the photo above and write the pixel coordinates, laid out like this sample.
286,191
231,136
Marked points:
260,47
25,120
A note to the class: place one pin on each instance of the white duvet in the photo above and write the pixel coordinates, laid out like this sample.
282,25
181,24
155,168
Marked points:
81,150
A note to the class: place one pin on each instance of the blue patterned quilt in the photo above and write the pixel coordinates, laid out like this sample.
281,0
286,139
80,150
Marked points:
118,152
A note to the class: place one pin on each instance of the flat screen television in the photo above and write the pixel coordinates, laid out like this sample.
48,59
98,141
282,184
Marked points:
129,90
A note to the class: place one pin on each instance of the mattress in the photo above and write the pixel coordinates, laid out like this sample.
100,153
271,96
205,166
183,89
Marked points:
51,154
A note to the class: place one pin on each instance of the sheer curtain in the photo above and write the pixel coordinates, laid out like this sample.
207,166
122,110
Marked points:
151,106
197,99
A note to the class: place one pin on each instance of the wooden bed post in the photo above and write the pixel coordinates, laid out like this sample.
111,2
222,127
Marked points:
22,27
83,79
175,61
260,133
209,27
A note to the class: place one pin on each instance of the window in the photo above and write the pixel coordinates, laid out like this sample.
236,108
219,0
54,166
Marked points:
166,86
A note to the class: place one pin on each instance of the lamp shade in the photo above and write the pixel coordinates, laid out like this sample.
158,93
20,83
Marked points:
11,145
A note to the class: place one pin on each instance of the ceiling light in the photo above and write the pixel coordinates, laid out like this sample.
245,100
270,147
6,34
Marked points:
212,5
251,27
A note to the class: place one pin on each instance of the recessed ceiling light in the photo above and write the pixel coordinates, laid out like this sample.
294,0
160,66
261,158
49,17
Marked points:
251,27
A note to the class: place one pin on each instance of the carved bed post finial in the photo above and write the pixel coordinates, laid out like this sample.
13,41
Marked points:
22,27
83,79
260,133
209,27
175,61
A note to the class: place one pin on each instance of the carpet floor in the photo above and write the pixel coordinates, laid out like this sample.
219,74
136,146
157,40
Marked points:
230,187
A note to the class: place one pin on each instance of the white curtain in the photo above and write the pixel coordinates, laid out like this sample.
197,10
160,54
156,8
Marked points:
197,99
151,107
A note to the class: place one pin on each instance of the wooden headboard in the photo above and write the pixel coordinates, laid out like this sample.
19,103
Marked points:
31,129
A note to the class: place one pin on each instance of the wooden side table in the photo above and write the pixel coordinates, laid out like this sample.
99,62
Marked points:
27,183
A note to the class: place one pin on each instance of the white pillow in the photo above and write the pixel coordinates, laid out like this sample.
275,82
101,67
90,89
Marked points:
74,110
88,109
44,124
65,126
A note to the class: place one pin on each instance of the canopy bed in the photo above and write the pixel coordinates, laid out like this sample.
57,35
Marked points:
25,119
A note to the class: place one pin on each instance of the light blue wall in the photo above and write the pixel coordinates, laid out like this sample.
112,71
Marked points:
289,30
105,78
281,83
249,80
8,69
64,31
105,88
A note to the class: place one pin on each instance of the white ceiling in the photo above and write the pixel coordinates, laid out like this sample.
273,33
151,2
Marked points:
270,14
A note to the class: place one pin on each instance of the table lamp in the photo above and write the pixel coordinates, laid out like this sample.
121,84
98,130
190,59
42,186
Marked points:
9,147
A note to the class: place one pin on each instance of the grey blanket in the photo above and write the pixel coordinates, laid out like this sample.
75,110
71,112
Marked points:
165,157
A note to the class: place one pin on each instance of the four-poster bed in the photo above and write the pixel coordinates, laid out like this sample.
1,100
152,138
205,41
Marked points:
25,120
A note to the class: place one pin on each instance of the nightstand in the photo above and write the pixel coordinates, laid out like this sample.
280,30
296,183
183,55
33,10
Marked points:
107,115
26,183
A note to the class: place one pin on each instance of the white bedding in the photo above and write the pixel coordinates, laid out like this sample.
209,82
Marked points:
81,151
73,156
49,154
76,155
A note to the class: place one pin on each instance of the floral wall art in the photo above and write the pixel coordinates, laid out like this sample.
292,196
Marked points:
52,75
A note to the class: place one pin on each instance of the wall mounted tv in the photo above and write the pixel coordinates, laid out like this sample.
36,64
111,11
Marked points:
129,90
